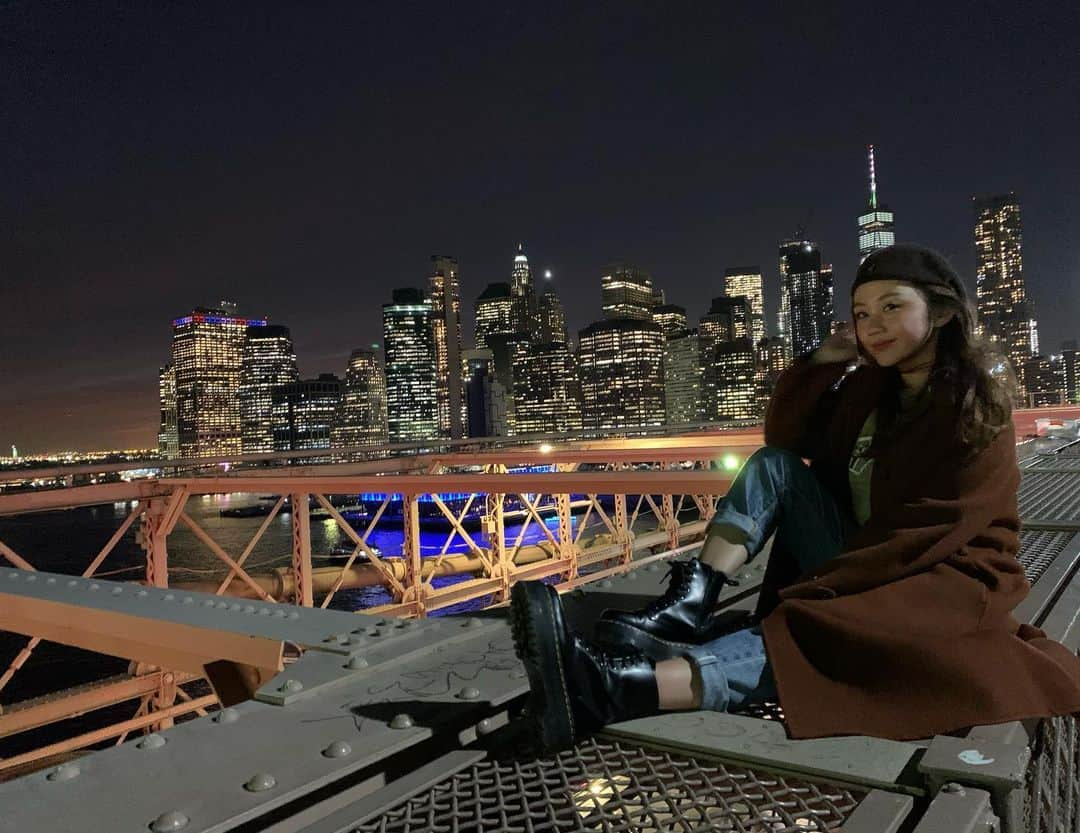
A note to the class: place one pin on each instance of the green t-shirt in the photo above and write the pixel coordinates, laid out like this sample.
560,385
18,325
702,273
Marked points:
861,468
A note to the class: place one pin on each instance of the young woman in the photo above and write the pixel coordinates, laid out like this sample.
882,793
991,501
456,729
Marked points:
885,609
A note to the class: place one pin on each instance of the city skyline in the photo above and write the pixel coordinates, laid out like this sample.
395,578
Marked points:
116,220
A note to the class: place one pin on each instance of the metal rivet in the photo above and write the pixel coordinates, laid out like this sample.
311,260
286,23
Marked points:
337,749
236,606
356,663
226,715
154,741
71,583
294,615
382,623
95,586
280,614
31,577
631,576
64,772
373,632
189,600
167,822
956,789
401,721
14,576
746,574
208,603
222,605
116,591
142,594
605,584
485,726
170,597
50,580
401,623
292,685
264,611
249,608
653,568
260,782
357,630
469,693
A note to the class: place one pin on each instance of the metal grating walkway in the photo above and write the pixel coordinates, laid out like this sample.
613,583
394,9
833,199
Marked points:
613,787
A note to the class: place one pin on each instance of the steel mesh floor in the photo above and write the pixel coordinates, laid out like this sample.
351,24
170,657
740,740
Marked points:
601,785
1049,495
1053,779
1055,461
1039,548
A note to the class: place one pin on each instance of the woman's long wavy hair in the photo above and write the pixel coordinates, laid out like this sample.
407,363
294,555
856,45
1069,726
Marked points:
979,378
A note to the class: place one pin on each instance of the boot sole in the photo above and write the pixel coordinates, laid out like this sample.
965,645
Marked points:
533,624
619,633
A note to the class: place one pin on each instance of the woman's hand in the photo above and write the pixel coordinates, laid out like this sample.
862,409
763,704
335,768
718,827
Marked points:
839,347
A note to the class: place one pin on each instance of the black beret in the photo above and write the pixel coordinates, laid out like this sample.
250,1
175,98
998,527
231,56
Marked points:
908,262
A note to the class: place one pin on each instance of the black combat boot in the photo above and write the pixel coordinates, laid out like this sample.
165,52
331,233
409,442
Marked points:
576,688
675,622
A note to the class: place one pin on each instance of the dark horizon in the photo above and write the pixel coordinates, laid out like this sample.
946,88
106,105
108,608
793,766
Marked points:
303,164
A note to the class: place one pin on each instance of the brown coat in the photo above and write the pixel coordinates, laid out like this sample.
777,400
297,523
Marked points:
907,633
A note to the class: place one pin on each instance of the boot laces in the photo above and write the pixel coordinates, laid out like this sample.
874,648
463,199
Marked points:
676,591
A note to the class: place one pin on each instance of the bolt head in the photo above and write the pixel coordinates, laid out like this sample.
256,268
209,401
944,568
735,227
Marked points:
401,721
260,782
167,822
469,693
292,685
226,715
356,663
64,772
337,749
154,741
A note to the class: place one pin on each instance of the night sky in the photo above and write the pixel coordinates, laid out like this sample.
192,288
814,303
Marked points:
304,160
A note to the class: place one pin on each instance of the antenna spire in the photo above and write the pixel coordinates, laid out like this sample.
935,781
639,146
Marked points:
873,179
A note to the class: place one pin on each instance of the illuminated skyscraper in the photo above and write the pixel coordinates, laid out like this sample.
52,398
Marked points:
445,297
168,436
409,347
207,353
671,318
268,360
546,398
627,292
682,378
494,313
1005,311
621,367
1070,368
806,296
523,289
303,412
736,388
361,415
746,281
876,222
552,318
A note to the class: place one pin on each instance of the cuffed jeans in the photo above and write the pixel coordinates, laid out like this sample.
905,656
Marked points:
773,492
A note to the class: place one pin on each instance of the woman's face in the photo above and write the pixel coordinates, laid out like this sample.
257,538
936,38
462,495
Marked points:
892,322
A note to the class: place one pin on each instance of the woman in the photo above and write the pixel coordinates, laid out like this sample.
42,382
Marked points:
885,607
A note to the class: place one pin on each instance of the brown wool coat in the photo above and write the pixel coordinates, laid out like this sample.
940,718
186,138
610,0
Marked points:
907,633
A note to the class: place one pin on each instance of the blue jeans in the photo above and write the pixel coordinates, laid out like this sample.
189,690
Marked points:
773,492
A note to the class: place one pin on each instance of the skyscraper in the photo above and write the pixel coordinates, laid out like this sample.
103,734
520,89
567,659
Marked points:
746,281
735,383
621,367
268,360
726,319
1070,368
806,296
876,221
494,313
207,352
1005,311
523,289
682,378
484,394
409,347
627,292
552,318
445,294
671,318
302,413
546,398
168,437
361,414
